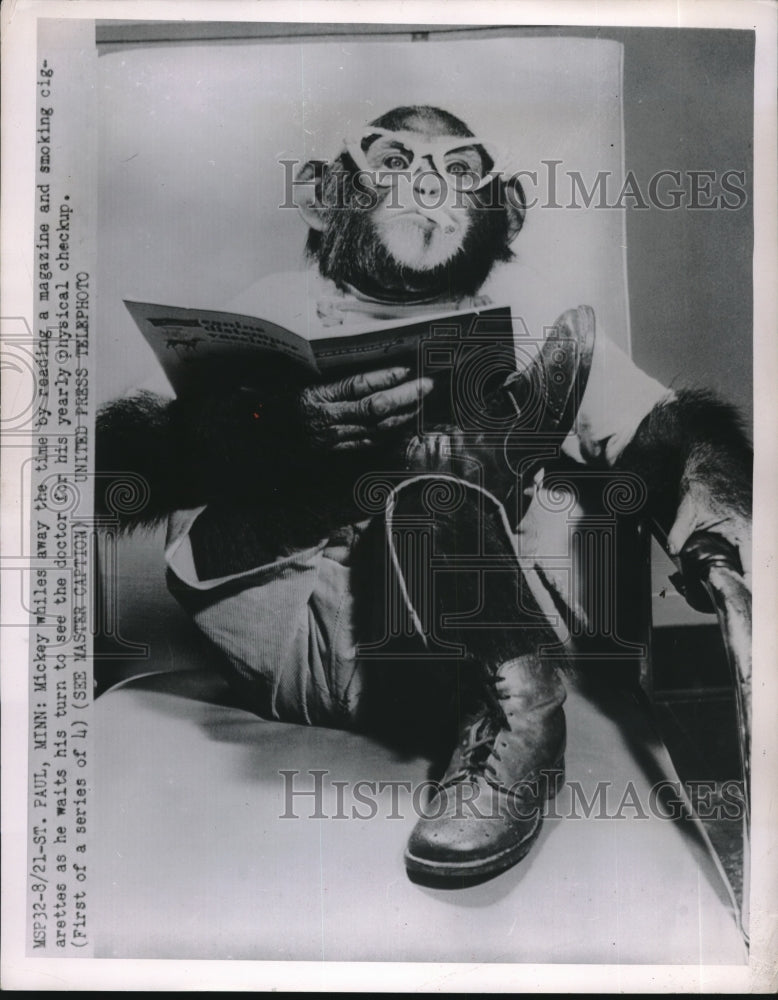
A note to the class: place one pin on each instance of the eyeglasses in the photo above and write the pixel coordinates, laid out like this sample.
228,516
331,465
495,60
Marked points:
467,162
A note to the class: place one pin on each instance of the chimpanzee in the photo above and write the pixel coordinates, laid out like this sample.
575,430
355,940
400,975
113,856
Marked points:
293,574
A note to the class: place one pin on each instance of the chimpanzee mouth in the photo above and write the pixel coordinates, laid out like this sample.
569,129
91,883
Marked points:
427,219
419,239
422,221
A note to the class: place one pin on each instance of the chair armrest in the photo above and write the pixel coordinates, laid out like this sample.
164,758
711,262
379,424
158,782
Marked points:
710,577
710,566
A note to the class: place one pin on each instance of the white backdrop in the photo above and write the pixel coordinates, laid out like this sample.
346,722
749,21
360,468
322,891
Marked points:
190,182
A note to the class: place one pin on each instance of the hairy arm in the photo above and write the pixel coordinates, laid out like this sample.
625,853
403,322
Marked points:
244,444
185,452
695,459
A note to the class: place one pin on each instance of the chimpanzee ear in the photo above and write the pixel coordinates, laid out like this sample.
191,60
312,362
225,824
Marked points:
515,205
308,193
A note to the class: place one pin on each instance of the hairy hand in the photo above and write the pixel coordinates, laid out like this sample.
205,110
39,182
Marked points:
358,411
699,511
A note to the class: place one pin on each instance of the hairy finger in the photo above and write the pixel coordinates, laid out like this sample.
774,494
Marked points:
363,384
354,444
397,419
340,433
371,409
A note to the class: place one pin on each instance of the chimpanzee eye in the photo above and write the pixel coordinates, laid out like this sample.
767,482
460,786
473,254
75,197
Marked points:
465,164
395,161
463,175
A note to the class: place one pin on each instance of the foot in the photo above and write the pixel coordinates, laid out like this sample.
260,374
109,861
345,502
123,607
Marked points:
488,810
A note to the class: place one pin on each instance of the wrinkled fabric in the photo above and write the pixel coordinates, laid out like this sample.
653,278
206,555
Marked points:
286,628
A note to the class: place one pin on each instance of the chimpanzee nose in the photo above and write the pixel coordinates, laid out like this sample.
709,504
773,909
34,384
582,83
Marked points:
428,184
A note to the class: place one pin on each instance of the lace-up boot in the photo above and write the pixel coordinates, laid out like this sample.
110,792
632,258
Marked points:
488,809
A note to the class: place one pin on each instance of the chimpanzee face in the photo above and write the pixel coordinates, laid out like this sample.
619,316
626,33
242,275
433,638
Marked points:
414,206
425,176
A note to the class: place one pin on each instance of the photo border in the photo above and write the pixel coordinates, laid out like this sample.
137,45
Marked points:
16,212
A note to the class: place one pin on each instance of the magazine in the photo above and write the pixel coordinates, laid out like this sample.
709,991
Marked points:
183,339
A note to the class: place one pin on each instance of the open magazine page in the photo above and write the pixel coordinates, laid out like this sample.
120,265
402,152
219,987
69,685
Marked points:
185,340
180,336
379,603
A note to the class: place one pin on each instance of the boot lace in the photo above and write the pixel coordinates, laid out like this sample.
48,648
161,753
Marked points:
478,748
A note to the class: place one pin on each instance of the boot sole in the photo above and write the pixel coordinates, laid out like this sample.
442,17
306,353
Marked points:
492,865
